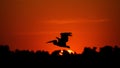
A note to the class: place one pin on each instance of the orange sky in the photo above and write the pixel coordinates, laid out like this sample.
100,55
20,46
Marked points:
29,24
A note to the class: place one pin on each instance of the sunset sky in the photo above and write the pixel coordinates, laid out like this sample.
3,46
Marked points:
29,24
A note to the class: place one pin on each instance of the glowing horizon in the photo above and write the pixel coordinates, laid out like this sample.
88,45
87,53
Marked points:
29,24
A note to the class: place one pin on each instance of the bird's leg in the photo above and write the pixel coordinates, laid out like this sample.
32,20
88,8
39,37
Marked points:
68,46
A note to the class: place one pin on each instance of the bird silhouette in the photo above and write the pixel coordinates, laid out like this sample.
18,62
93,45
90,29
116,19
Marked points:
61,42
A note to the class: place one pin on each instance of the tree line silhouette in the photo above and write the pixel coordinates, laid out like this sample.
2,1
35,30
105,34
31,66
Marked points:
107,55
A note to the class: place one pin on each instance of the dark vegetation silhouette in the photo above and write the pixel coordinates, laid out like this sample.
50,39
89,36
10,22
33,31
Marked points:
107,55
61,42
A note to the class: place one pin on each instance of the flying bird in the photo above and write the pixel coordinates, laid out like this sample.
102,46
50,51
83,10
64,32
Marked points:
61,42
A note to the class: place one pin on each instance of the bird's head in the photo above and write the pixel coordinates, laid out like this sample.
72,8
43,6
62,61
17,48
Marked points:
52,41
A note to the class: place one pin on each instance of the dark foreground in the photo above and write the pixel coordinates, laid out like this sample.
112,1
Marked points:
108,56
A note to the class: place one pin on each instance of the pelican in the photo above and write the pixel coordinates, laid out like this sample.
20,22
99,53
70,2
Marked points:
61,42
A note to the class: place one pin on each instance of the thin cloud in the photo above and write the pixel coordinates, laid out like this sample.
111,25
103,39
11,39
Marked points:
77,21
